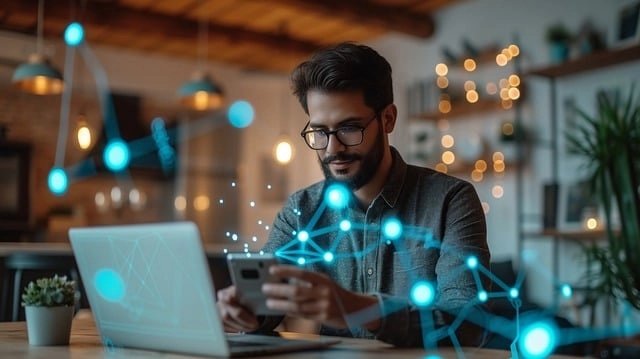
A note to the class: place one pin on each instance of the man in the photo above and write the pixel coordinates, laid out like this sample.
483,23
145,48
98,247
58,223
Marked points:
392,261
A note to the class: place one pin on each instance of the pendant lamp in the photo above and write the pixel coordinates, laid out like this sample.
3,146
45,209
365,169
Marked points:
37,76
201,92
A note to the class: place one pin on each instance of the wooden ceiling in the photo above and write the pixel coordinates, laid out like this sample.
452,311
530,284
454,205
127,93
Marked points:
264,35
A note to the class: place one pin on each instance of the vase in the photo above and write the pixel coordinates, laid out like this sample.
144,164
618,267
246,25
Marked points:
49,325
559,52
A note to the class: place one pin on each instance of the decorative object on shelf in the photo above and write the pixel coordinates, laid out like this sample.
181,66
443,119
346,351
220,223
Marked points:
37,75
587,40
559,39
610,143
49,307
628,31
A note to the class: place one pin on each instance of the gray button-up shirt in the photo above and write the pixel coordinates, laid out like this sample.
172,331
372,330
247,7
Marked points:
442,224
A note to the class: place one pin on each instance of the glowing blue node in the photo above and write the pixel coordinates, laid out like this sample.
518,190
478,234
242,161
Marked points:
336,196
303,236
116,155
109,285
345,225
74,34
514,293
472,262
392,228
328,257
483,296
241,114
58,181
433,356
566,291
423,294
538,340
301,261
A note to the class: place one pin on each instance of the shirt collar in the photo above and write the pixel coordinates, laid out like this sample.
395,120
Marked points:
393,185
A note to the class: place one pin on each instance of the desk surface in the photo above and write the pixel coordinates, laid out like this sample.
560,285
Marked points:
85,343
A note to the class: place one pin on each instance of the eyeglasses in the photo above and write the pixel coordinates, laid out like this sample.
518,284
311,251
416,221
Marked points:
350,135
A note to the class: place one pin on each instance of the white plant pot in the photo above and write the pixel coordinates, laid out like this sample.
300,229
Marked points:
49,325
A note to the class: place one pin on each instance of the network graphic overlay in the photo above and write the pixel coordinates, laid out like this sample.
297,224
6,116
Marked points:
536,337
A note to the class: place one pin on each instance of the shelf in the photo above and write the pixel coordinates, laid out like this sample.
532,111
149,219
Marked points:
593,61
579,235
461,109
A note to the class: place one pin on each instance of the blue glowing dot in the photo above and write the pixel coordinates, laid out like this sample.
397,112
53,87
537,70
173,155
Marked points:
74,34
241,114
483,296
423,294
303,236
58,181
336,196
566,291
392,228
328,257
514,293
345,225
538,341
109,285
472,262
301,261
116,155
433,356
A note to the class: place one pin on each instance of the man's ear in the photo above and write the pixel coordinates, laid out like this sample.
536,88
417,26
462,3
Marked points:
389,115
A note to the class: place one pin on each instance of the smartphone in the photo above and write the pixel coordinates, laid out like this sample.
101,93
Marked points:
248,272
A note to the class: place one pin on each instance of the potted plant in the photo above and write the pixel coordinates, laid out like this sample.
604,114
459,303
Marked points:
49,307
559,39
610,142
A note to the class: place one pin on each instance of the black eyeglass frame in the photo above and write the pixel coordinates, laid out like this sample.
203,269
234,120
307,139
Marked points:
328,133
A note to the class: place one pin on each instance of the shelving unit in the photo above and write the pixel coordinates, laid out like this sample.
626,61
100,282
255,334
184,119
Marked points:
595,61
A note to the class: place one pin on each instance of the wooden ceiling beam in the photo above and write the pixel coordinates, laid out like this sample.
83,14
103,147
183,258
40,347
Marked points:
368,12
141,21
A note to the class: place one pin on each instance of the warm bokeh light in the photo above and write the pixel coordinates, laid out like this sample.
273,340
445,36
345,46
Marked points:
504,83
485,207
472,96
444,106
501,60
507,128
504,93
498,166
441,167
514,80
497,156
481,165
506,104
201,203
514,50
448,157
442,69
477,176
447,141
180,203
83,136
283,151
492,88
506,53
442,82
469,85
514,93
591,224
497,191
469,65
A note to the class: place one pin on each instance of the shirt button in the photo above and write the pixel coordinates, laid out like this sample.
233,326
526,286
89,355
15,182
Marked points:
370,271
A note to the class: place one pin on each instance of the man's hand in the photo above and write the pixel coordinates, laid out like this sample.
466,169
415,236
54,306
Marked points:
235,317
315,296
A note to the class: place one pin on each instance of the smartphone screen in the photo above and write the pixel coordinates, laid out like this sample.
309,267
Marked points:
248,272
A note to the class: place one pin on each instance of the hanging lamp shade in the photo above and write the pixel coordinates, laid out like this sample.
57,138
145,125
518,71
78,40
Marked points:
201,93
37,76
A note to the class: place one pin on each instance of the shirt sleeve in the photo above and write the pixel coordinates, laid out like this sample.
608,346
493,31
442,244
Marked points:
456,312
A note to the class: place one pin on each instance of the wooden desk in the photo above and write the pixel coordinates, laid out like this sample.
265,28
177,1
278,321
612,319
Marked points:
85,343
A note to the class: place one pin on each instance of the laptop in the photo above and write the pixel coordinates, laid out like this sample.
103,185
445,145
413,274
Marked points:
149,287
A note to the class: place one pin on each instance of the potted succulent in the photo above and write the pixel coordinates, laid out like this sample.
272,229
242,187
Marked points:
49,307
610,142
559,39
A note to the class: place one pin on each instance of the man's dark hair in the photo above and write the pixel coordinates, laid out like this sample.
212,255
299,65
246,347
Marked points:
345,67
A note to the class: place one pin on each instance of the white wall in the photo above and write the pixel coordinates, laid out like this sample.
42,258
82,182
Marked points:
501,22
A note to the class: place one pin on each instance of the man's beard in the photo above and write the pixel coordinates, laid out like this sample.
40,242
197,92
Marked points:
369,164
